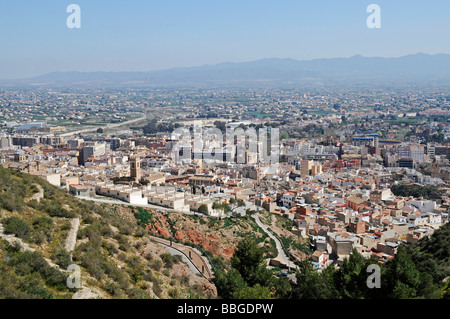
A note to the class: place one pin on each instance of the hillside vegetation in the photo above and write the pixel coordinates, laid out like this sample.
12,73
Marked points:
218,238
117,257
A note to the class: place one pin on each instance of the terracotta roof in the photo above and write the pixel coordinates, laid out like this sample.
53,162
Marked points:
317,253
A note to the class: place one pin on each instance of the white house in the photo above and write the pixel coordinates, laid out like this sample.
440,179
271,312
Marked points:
424,206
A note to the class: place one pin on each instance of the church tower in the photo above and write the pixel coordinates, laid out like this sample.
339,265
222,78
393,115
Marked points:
135,167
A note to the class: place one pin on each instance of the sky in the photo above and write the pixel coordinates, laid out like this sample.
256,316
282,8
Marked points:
145,35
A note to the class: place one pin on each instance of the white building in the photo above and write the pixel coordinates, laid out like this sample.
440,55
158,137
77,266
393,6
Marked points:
122,192
424,206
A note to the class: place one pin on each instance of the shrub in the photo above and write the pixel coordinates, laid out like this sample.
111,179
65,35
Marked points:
56,210
27,263
121,278
39,237
156,264
14,225
173,293
112,288
148,256
10,202
157,288
167,259
135,293
111,249
89,219
140,232
124,244
44,223
35,286
184,280
166,272
125,229
62,258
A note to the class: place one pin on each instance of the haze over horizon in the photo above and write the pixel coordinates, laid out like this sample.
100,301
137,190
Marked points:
146,35
229,62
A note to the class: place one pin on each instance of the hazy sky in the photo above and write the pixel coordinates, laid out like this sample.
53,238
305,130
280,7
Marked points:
144,35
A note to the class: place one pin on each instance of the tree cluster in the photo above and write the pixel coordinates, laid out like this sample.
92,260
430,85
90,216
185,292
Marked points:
426,192
248,277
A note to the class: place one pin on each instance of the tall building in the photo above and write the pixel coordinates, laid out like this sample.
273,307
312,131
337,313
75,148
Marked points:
432,150
135,167
25,141
305,168
5,141
91,149
74,143
406,162
363,140
316,170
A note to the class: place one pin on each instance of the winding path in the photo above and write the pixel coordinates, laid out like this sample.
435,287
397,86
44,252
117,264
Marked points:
196,260
71,240
282,257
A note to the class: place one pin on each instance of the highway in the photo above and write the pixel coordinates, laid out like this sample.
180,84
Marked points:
108,126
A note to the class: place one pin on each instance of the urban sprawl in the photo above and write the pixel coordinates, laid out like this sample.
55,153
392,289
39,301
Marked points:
364,169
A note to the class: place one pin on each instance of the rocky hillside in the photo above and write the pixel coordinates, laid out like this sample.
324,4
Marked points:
217,238
40,237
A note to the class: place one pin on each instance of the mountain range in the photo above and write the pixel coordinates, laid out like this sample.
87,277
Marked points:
417,69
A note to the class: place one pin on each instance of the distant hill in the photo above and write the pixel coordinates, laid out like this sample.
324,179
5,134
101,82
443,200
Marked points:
417,68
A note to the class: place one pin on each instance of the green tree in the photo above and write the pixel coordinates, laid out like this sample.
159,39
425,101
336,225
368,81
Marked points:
203,209
248,259
348,279
402,276
240,203
248,278
228,285
283,288
371,293
255,292
312,284
432,255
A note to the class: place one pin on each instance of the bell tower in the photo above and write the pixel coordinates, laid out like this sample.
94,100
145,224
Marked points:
135,167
